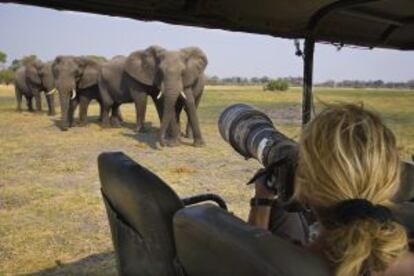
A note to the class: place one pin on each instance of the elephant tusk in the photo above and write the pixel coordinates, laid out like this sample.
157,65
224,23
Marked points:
73,94
159,95
51,92
184,96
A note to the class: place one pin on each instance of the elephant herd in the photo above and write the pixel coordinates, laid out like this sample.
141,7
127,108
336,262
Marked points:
174,79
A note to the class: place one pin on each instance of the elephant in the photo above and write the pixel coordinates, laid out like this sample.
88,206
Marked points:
173,79
30,80
76,80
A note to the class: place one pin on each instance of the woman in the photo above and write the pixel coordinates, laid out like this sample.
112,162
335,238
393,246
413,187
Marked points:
348,169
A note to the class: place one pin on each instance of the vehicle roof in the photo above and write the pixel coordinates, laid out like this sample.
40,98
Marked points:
371,23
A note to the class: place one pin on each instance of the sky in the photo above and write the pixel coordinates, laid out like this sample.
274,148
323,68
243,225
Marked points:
47,33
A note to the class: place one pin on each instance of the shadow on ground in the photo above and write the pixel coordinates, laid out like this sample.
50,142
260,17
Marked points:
57,122
96,264
148,136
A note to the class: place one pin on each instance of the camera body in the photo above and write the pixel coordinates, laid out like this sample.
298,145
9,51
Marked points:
252,134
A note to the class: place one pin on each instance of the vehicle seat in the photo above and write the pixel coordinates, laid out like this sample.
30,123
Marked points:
140,209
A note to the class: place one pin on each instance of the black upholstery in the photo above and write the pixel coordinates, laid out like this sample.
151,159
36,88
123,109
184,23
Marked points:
404,213
140,208
406,190
226,245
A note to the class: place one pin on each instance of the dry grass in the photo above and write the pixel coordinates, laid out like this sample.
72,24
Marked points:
52,220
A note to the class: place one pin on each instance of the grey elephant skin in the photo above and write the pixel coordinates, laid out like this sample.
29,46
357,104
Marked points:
76,79
173,79
30,80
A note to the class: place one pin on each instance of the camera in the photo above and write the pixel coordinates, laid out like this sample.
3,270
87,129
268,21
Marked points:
252,134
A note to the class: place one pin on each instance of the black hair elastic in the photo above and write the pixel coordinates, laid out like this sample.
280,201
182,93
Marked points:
354,209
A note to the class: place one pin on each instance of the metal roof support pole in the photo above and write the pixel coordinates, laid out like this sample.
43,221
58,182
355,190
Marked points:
307,99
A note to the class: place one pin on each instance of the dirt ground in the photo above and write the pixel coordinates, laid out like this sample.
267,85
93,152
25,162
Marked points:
52,218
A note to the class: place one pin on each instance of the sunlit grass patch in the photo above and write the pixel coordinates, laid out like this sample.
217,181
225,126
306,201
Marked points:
183,170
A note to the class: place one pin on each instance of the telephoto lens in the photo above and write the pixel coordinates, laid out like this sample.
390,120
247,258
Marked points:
252,134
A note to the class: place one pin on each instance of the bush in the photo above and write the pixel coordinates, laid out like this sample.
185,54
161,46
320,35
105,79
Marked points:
6,76
276,85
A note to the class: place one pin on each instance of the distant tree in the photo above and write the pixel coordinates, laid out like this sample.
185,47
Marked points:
255,80
276,85
97,58
16,63
3,59
328,83
6,76
264,79
27,59
214,80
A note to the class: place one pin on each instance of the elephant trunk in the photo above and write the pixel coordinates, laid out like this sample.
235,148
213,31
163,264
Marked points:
169,124
64,109
66,97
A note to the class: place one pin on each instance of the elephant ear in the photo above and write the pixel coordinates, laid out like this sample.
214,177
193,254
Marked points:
143,65
195,62
32,72
88,72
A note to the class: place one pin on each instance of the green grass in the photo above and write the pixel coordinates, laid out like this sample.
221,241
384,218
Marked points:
52,219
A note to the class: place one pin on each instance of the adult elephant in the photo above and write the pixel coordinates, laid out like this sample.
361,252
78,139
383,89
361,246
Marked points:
30,80
172,78
76,79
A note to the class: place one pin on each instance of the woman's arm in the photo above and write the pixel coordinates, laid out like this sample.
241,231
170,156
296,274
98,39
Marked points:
259,215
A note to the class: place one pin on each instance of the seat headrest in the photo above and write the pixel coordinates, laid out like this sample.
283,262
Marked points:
226,245
136,194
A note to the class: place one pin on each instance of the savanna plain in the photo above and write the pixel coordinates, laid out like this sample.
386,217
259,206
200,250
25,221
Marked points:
52,218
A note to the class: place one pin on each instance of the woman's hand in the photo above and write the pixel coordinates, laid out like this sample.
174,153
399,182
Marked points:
261,191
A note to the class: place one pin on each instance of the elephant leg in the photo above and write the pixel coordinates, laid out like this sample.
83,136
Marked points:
178,110
50,99
191,110
107,104
118,113
140,99
83,110
71,113
105,115
159,105
29,103
38,101
100,110
19,98
115,120
189,130
169,131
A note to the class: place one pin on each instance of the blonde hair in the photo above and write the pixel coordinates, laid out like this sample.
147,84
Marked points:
346,152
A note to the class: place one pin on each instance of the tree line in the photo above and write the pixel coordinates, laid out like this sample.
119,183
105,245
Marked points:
298,81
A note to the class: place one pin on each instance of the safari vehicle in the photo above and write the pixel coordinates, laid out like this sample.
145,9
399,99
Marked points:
154,231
